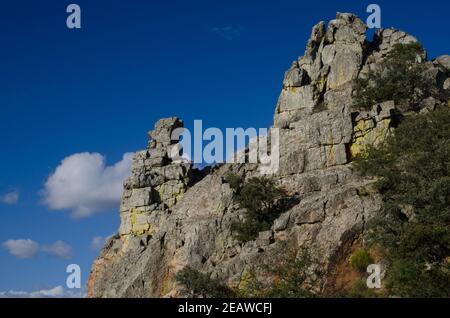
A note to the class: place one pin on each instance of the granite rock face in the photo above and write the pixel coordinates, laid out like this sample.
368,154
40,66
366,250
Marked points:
173,215
335,56
157,182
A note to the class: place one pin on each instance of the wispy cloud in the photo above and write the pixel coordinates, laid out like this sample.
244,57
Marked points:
57,292
228,32
29,249
83,184
59,249
10,197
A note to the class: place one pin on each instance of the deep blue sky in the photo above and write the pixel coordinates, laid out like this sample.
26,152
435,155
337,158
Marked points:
101,88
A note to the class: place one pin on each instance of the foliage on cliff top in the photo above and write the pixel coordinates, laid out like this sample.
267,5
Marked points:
413,170
399,77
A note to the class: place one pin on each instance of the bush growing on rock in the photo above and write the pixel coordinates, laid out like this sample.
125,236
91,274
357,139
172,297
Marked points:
286,276
360,259
360,290
198,284
400,78
290,276
413,171
260,198
235,181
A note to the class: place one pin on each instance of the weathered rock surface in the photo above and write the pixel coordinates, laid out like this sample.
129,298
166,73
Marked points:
172,217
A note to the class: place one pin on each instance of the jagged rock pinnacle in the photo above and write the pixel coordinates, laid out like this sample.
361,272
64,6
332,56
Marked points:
171,219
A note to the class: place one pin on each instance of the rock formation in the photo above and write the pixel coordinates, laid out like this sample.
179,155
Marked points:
173,215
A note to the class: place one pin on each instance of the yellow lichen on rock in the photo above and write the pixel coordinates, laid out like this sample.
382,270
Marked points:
179,194
365,135
161,190
171,193
139,224
243,288
321,83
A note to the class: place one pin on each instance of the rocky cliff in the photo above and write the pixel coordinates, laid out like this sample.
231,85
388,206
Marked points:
173,215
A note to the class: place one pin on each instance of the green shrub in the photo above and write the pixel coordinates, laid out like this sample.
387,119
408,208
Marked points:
413,167
410,278
360,259
235,181
360,290
199,284
413,170
291,275
399,78
249,229
260,197
425,242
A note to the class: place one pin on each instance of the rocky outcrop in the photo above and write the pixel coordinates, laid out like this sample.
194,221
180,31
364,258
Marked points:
443,64
173,215
157,182
321,79
335,56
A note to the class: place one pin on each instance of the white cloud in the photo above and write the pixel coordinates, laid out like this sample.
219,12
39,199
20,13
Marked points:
59,249
83,184
28,249
22,248
57,292
10,198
